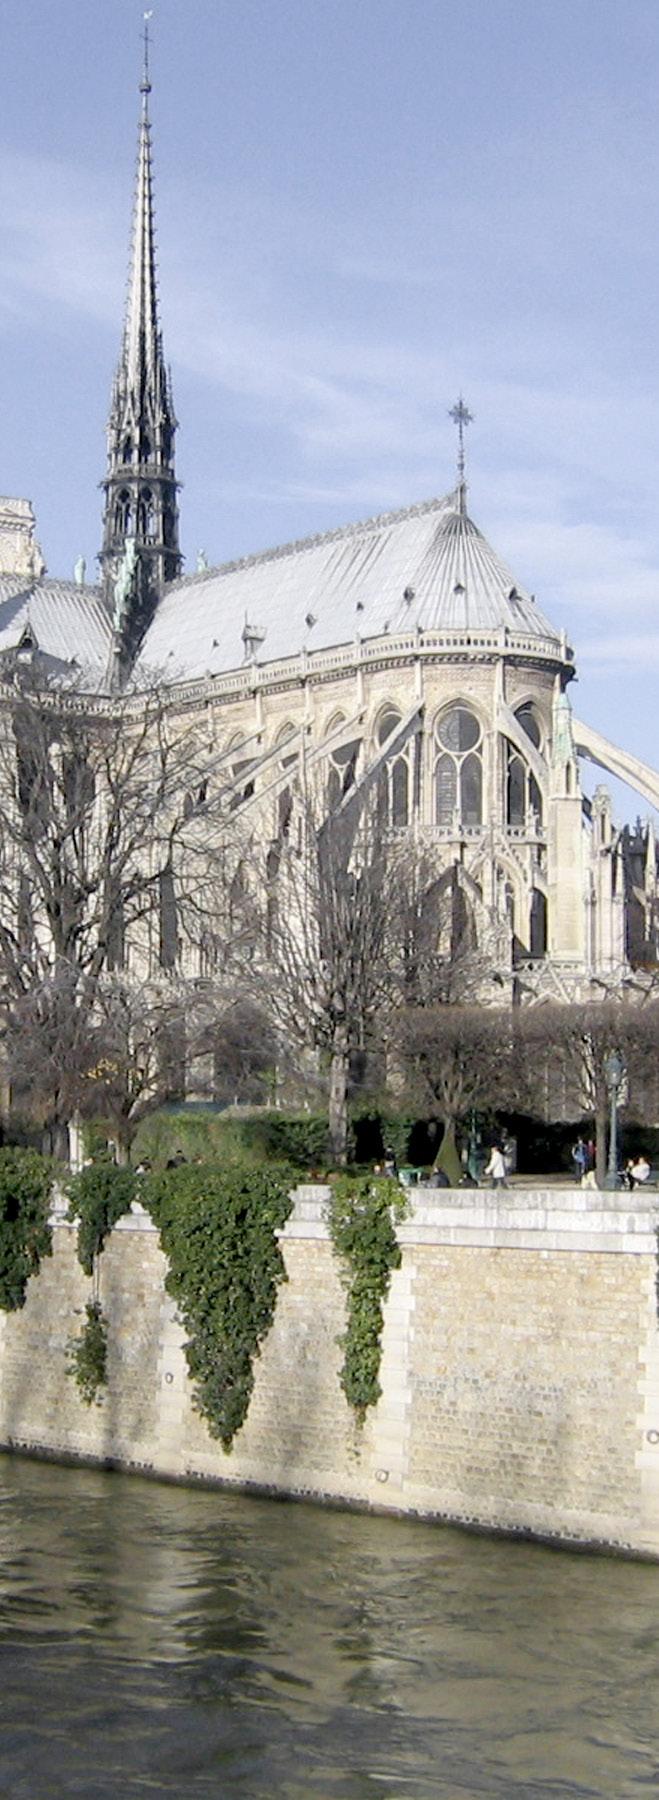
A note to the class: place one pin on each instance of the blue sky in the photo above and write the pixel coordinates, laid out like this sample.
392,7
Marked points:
364,208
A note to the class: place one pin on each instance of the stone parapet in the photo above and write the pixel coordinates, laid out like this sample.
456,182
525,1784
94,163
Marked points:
536,1219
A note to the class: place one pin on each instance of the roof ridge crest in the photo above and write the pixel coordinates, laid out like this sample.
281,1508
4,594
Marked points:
353,529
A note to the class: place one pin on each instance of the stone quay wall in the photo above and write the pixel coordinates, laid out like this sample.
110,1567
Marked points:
520,1368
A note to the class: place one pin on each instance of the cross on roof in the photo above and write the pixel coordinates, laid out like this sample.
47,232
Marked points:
146,38
461,417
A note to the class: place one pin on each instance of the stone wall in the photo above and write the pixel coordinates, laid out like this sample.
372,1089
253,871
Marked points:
19,552
520,1368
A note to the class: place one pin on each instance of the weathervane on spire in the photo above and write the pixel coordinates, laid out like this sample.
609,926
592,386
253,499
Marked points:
461,417
146,77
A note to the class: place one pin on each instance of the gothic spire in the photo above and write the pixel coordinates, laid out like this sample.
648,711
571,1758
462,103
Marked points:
142,347
140,523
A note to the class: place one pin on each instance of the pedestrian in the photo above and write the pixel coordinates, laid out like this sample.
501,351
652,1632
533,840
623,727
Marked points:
580,1158
497,1168
639,1171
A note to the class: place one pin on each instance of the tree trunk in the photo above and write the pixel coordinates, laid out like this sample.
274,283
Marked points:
56,1140
338,1101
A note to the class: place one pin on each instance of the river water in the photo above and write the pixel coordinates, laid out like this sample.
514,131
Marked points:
162,1640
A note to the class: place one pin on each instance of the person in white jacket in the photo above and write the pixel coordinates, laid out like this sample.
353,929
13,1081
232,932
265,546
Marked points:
496,1167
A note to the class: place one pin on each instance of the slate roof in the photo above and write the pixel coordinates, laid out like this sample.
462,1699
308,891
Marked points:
70,623
427,566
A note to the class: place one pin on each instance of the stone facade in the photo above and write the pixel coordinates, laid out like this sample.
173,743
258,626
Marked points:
520,1369
19,550
557,902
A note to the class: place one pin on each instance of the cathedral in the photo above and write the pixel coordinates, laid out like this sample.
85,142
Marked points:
400,649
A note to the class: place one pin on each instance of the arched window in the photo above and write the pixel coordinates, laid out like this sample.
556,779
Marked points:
284,804
400,793
529,723
284,736
387,723
284,812
146,516
168,920
471,790
394,783
523,794
459,768
239,766
123,514
538,924
342,765
516,789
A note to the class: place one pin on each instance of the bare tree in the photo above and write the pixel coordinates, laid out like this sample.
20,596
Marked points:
562,1062
113,828
457,1058
351,924
137,1054
48,1045
435,952
319,954
247,1062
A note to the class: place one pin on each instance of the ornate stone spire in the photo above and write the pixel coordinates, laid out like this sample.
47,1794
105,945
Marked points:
140,485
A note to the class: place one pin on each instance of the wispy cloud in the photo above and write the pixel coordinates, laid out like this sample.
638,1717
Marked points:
635,650
357,402
60,239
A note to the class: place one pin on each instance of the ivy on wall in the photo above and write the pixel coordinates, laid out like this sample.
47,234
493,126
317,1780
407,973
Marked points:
88,1354
99,1195
217,1229
361,1219
26,1181
98,1198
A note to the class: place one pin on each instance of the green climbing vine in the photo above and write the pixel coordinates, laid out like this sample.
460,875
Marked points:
218,1231
99,1195
87,1359
26,1181
361,1216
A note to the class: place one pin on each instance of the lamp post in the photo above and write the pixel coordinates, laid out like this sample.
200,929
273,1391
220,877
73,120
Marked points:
614,1070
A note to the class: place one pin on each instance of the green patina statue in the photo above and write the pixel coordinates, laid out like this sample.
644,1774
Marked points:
124,583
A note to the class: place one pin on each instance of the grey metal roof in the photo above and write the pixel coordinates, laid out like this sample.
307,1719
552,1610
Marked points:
428,566
70,623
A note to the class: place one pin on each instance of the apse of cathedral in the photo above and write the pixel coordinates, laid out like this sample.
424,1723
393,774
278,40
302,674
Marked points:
400,650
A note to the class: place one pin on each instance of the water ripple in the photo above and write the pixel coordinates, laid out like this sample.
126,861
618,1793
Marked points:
160,1641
